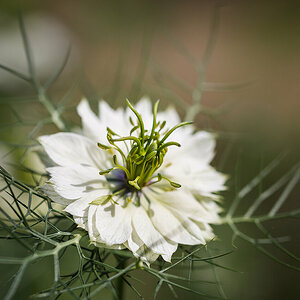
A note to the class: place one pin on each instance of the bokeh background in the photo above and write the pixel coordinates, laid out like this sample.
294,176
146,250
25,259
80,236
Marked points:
130,49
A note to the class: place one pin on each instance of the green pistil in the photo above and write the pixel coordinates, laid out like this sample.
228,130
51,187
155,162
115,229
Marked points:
134,183
145,155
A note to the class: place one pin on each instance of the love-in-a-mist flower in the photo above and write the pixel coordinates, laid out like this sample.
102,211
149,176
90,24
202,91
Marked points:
136,178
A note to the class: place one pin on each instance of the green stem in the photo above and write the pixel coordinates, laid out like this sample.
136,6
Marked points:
55,116
263,218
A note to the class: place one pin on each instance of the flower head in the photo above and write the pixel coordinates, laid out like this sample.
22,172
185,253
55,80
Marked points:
136,178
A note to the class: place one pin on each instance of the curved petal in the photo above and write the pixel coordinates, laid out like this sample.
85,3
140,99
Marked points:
174,227
76,181
205,182
115,246
114,119
113,222
147,255
183,202
134,242
149,235
206,230
52,194
209,180
82,222
94,233
91,224
144,108
202,146
196,152
170,115
69,149
80,206
92,126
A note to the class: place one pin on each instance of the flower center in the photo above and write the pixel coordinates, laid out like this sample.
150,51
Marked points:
146,151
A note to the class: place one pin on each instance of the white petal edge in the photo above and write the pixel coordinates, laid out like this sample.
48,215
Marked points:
69,149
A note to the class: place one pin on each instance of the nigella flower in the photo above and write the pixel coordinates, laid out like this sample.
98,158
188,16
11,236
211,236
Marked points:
135,178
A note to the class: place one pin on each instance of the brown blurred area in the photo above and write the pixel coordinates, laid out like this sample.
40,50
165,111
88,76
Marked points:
134,48
123,48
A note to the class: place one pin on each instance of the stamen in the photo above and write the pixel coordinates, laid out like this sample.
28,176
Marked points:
105,172
150,155
166,145
131,121
141,123
153,124
133,138
111,132
162,125
103,147
102,200
172,183
134,129
173,129
159,177
110,140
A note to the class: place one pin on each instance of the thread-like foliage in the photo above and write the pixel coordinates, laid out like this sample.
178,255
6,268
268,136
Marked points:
43,230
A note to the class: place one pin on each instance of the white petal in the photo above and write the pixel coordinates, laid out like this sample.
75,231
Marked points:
67,149
201,145
147,255
172,226
182,201
209,180
114,119
52,194
92,126
76,181
149,235
205,182
115,246
196,152
113,222
192,227
93,232
206,230
139,249
134,242
82,222
167,257
170,116
144,108
79,207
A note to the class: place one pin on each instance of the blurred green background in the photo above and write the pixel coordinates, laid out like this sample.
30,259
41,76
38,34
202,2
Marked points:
133,48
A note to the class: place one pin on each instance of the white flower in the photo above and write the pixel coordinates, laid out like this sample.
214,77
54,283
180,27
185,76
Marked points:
129,185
